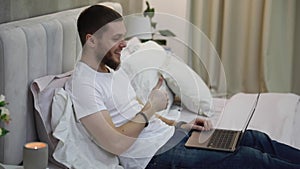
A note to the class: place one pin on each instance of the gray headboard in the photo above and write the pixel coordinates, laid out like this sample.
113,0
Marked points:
29,49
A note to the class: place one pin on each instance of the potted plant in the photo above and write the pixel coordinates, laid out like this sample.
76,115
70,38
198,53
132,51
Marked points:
150,12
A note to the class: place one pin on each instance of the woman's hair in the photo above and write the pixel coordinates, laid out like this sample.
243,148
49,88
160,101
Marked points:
93,18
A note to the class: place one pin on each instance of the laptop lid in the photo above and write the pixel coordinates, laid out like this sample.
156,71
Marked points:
251,114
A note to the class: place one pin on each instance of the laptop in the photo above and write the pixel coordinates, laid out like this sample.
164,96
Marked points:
220,139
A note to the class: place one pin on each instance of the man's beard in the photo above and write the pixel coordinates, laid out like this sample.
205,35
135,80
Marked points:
110,62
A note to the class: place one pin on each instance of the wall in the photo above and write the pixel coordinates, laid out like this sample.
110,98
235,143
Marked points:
11,10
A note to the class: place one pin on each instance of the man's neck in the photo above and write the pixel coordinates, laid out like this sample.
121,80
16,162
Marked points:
94,64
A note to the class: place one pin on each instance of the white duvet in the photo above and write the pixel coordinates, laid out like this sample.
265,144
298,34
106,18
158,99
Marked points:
277,114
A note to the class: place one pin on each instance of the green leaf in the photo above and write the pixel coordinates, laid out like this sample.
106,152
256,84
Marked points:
148,5
2,103
151,10
3,131
3,117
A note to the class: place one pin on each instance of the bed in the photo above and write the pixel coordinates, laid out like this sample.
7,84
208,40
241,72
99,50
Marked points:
38,54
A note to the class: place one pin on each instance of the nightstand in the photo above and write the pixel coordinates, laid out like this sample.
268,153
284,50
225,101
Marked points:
2,166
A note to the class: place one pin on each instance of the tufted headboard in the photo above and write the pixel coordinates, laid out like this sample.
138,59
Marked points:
29,49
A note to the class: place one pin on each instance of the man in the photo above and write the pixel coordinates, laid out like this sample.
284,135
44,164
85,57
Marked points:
106,105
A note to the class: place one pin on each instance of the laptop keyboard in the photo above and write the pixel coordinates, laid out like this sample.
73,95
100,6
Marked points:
221,139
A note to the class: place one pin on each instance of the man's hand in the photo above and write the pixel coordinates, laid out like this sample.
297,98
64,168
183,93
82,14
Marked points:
158,99
198,124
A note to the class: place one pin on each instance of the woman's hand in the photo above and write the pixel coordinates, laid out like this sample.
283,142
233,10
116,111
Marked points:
198,124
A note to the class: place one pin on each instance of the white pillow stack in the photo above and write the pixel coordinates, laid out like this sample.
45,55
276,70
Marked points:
145,62
141,62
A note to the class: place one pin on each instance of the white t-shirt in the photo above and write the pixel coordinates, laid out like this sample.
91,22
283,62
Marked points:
94,91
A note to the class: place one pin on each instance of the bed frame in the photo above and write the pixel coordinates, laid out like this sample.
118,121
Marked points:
29,49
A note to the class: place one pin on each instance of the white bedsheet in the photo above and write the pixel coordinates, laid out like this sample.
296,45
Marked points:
277,114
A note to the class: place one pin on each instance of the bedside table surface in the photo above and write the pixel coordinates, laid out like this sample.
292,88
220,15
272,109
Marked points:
2,166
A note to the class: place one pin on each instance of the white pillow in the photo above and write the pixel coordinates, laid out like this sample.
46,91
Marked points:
141,62
188,85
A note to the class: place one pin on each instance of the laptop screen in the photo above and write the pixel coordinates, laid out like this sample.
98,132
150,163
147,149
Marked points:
252,112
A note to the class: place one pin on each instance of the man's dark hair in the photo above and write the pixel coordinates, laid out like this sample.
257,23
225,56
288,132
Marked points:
93,18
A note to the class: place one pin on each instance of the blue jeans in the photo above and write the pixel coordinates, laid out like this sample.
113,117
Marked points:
256,151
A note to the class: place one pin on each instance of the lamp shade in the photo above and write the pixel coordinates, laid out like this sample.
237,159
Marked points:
138,26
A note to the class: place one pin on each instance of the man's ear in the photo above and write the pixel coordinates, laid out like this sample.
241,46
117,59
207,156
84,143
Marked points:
90,40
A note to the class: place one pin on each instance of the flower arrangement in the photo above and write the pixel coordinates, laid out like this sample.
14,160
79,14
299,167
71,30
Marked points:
4,115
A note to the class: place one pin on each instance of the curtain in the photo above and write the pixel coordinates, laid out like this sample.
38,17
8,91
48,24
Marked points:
255,41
